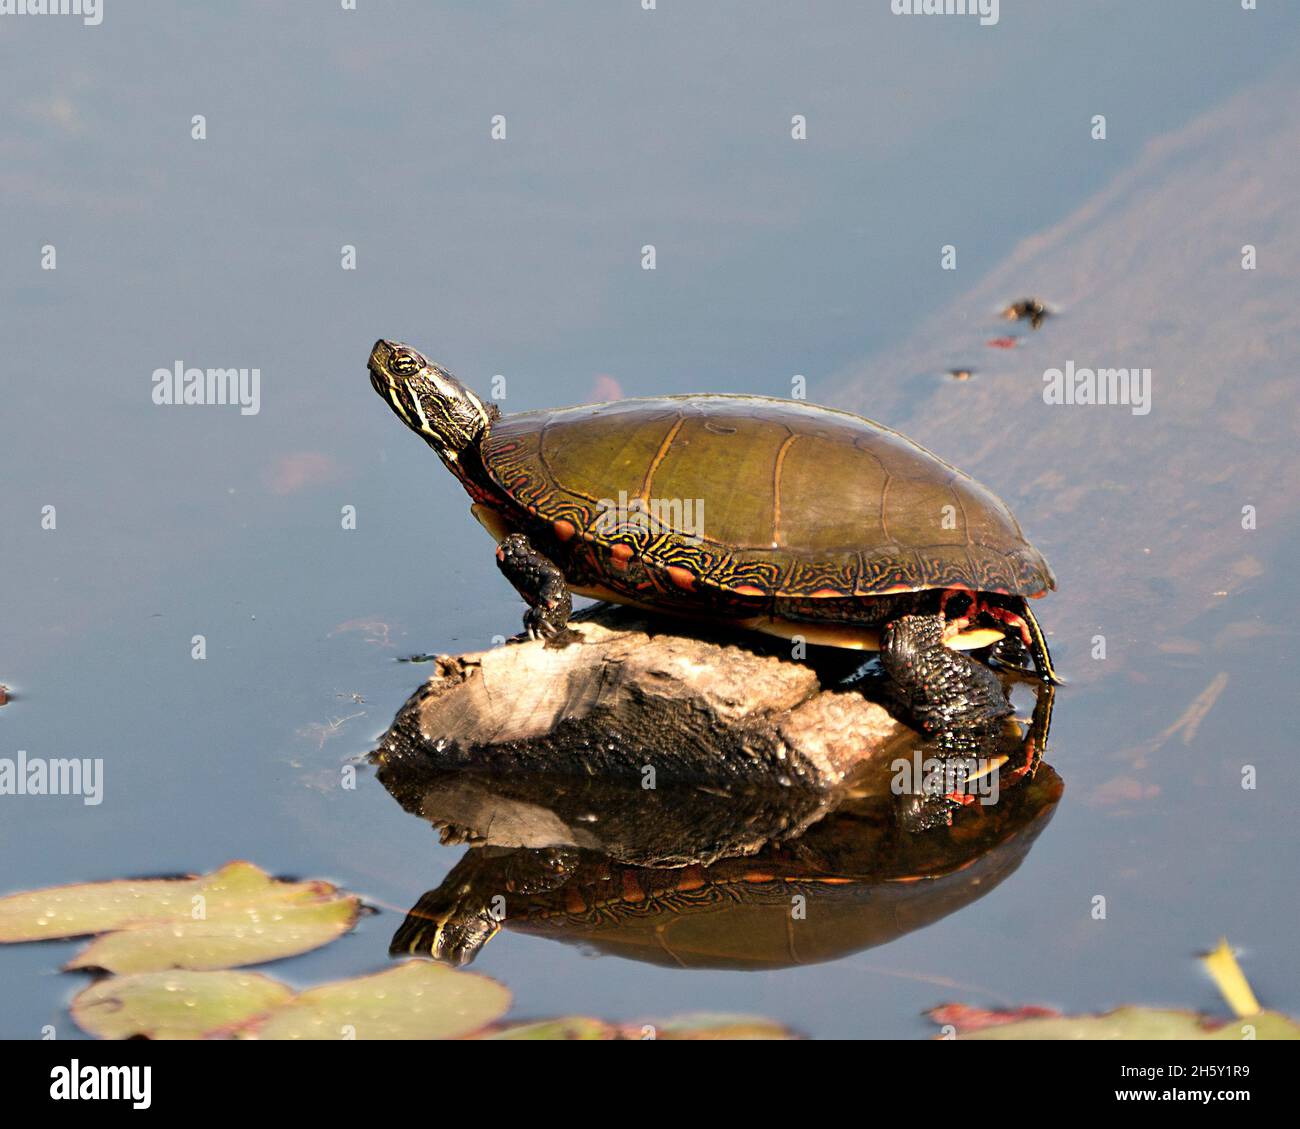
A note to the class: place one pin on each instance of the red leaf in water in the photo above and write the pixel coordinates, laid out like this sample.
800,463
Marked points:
967,1018
1002,342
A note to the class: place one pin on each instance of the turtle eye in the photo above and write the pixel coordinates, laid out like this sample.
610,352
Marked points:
404,364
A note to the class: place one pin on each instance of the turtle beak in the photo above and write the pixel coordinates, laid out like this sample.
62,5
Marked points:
380,356
380,353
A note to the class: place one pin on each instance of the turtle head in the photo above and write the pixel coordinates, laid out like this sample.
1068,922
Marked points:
428,399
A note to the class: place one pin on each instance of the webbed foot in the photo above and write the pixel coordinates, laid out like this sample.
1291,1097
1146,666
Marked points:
945,691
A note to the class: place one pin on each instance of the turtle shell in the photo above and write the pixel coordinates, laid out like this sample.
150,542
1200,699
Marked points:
786,499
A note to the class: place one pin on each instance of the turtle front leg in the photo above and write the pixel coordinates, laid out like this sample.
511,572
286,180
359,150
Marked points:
541,584
949,694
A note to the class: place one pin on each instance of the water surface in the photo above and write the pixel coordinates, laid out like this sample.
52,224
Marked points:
523,258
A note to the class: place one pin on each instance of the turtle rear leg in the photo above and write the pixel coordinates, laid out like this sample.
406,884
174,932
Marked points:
945,691
542,585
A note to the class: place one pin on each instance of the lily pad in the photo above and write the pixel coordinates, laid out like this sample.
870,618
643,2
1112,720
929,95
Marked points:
177,1004
576,1027
415,1000
710,1026
1140,1023
235,916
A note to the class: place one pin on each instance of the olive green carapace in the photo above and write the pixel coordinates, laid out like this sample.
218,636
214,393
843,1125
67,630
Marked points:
791,499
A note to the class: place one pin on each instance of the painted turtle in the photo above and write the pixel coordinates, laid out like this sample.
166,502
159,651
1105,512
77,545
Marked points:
777,516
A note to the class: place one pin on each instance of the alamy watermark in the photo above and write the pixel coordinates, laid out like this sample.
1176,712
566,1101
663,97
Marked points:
946,776
90,11
987,10
181,385
651,516
76,1082
1072,385
39,776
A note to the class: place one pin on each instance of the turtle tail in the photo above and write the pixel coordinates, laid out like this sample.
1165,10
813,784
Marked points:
1038,647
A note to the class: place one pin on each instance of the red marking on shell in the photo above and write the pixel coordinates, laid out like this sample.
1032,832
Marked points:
690,878
683,578
821,592
748,590
564,530
632,889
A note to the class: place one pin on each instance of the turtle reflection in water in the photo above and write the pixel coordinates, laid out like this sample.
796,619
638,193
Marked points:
855,880
820,525
723,876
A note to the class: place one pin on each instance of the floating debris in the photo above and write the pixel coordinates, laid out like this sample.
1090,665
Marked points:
1250,1020
1027,309
1221,964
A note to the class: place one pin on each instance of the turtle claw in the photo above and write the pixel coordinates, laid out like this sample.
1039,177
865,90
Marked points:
540,624
919,814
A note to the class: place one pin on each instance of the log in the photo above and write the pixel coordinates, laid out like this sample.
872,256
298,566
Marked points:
626,695
726,740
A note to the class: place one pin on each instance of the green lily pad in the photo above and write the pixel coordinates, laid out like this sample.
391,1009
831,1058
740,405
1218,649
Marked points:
1141,1023
177,1004
567,1027
237,915
415,1000
710,1026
